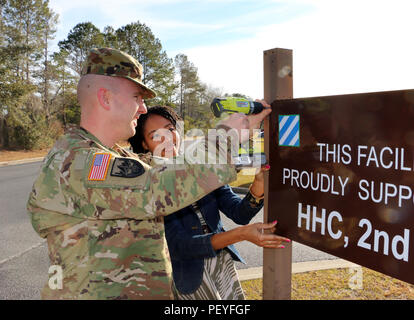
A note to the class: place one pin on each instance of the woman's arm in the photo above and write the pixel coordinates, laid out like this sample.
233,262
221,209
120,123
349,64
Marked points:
261,234
241,211
184,246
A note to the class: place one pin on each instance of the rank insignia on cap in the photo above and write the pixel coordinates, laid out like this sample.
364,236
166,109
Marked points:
127,168
100,166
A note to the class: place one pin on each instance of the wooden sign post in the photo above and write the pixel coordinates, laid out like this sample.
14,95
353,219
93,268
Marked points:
277,263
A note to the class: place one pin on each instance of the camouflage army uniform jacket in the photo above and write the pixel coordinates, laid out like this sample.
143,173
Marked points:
107,235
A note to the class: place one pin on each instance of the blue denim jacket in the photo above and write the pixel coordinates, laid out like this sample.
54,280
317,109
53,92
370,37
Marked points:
187,244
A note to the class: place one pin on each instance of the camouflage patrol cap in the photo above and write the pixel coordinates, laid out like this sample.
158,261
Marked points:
115,63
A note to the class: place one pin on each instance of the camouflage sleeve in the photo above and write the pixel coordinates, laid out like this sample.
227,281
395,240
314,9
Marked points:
132,189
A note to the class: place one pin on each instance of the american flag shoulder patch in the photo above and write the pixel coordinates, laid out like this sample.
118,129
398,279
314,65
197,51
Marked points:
100,165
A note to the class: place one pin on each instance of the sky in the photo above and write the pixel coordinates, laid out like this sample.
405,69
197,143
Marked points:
339,47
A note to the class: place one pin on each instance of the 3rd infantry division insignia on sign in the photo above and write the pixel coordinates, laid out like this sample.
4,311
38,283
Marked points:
289,130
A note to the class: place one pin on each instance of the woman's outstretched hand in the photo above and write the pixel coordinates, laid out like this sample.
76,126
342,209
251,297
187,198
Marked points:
261,234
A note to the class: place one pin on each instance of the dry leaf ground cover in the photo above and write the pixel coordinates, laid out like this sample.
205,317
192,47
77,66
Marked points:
10,155
334,284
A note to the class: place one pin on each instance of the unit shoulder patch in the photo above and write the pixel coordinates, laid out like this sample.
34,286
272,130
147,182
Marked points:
127,168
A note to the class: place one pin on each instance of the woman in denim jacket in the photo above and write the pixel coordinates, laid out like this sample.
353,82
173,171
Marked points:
202,252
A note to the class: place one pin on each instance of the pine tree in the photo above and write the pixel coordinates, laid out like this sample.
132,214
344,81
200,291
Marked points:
48,20
23,19
83,37
138,40
27,25
190,88
12,91
64,97
110,39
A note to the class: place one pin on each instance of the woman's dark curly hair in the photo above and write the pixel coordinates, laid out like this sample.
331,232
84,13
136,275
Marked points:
163,111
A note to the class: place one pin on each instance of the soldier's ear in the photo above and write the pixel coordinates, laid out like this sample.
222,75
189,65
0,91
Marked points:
103,98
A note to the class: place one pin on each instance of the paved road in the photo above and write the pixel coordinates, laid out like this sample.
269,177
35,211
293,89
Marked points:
23,254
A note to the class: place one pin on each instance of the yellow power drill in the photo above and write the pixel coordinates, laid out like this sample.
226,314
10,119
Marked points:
248,156
235,105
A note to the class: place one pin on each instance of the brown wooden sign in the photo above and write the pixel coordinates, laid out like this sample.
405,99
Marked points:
342,177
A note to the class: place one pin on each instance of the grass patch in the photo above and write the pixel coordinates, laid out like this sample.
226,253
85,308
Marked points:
333,284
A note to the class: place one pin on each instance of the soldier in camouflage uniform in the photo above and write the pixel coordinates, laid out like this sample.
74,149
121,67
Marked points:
100,207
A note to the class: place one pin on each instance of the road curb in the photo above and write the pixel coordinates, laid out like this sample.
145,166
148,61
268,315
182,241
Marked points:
298,267
23,161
